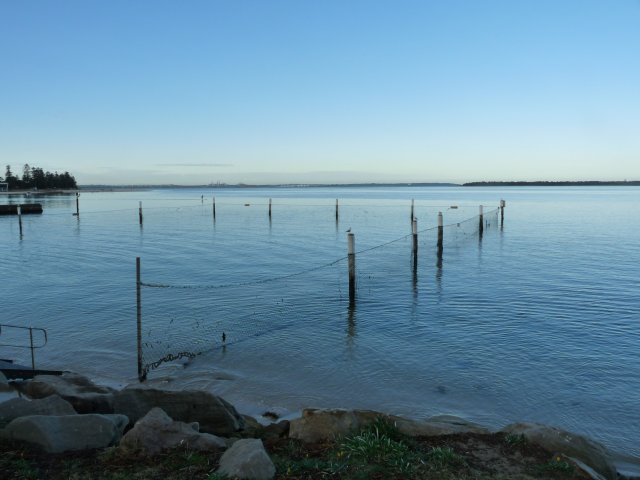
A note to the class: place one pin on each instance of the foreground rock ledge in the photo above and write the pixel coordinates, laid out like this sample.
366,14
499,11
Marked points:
73,422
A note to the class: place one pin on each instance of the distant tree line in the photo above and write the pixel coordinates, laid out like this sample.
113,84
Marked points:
36,178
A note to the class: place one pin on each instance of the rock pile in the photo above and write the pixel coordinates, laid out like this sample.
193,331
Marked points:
72,413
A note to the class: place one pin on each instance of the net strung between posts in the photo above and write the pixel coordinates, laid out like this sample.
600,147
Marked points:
184,320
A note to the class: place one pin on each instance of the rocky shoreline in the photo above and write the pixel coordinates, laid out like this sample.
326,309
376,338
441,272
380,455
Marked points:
70,413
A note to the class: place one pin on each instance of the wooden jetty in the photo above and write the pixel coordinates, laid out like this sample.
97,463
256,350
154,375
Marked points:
26,208
14,371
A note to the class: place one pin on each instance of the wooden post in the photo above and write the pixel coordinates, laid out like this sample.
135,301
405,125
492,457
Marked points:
77,204
481,222
140,212
214,208
414,232
139,319
269,208
351,257
33,360
20,219
336,209
202,199
440,236
502,203
412,201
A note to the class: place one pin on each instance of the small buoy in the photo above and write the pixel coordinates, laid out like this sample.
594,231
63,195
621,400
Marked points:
247,204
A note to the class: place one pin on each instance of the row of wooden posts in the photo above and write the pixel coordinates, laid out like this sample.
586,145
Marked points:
351,241
351,262
413,219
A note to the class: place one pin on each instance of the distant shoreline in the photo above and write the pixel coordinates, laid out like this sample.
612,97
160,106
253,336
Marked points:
587,183
224,186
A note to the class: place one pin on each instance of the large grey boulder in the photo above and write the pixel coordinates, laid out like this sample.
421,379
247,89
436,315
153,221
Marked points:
84,395
213,414
247,459
572,445
320,425
56,434
156,432
21,407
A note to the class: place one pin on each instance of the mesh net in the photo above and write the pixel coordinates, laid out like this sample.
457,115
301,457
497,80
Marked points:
185,320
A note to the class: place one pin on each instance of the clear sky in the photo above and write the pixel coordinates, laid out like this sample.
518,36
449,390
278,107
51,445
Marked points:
314,91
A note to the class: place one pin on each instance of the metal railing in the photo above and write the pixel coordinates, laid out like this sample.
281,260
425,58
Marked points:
31,346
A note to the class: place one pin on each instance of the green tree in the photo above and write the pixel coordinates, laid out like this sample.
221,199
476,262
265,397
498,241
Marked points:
10,179
26,176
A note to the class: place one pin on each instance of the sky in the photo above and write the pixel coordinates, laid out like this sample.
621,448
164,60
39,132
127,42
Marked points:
331,91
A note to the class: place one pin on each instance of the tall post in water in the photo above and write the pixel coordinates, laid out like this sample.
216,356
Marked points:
440,232
412,216
269,209
414,232
214,208
481,222
336,210
78,204
351,258
502,202
440,236
140,212
20,219
33,359
139,319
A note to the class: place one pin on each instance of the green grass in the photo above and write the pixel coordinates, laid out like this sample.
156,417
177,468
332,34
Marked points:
443,458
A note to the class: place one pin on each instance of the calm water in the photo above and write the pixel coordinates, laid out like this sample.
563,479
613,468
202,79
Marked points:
538,321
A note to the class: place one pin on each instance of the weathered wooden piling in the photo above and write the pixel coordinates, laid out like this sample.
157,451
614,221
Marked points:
269,208
414,249
412,205
414,234
502,203
20,219
440,232
481,222
336,209
439,249
351,258
77,204
33,358
214,208
140,212
139,319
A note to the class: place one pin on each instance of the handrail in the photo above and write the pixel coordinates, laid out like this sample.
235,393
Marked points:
31,346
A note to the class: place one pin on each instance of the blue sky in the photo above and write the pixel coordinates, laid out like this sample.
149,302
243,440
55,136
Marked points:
299,91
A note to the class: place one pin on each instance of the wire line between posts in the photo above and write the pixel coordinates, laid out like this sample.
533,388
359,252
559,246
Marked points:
302,272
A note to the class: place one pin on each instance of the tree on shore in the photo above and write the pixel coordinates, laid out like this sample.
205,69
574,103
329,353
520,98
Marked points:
37,178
